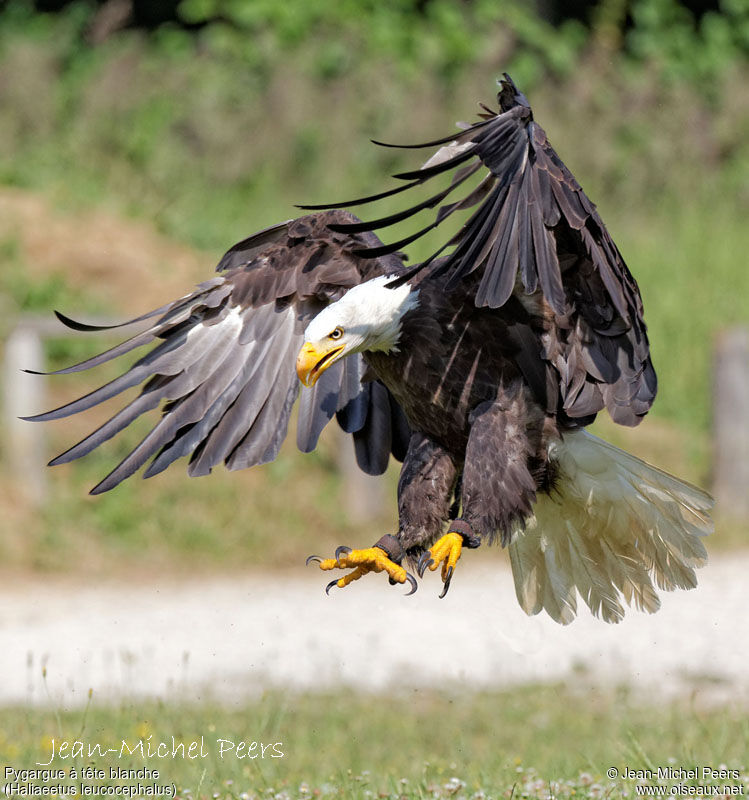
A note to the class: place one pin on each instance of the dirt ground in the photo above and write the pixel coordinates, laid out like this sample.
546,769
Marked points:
100,252
230,638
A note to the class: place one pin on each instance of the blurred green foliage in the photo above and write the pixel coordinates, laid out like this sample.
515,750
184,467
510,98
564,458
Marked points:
441,37
265,103
665,33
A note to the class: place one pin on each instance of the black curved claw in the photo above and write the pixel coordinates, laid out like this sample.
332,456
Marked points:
425,560
310,559
447,582
414,586
342,549
331,585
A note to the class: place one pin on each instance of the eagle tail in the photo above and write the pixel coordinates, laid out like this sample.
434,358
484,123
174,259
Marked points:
613,528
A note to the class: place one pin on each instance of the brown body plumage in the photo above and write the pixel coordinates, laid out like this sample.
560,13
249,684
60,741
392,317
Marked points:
458,377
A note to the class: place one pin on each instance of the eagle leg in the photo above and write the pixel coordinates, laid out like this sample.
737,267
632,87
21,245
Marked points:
370,559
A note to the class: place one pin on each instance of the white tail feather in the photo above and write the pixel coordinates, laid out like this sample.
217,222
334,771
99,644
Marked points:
611,525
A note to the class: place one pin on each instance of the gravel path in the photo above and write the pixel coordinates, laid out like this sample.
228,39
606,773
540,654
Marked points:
232,637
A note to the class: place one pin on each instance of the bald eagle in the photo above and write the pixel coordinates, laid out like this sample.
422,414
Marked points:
479,369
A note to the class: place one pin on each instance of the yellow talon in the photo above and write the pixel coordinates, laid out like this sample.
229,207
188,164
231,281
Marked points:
446,551
370,559
350,578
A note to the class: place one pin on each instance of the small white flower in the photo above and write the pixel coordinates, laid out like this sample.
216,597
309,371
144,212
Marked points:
454,785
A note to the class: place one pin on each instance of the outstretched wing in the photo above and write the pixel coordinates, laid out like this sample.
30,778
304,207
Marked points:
535,230
222,359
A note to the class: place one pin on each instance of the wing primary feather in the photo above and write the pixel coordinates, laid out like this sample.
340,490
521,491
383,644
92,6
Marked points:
86,327
253,357
547,265
373,443
362,200
240,417
176,314
384,222
416,178
400,430
353,415
424,173
386,249
147,400
191,437
461,235
140,370
526,267
261,442
462,260
455,137
136,341
500,271
476,196
190,409
318,406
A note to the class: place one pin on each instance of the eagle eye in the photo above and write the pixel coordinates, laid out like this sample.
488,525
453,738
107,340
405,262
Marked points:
336,333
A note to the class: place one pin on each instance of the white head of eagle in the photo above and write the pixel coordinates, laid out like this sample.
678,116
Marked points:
367,317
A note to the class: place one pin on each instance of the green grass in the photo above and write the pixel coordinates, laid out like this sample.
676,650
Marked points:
422,744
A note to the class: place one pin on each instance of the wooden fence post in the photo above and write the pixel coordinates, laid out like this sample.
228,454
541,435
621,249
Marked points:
24,395
364,496
731,422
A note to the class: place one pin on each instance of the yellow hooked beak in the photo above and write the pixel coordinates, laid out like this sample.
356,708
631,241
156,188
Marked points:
312,362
